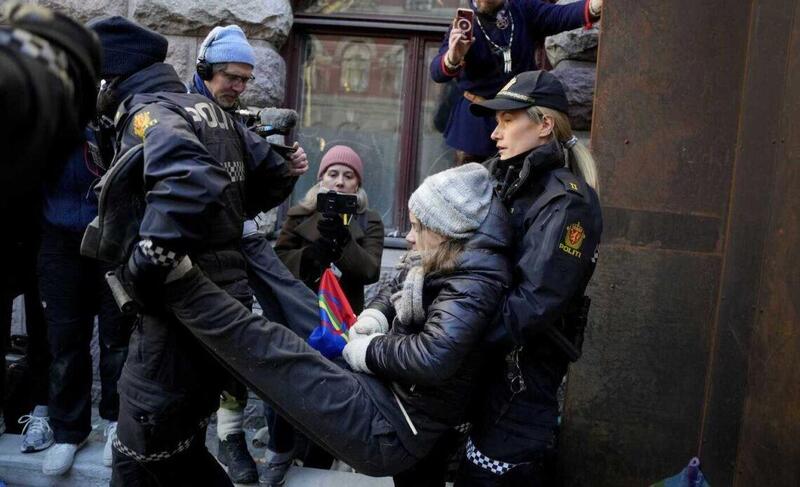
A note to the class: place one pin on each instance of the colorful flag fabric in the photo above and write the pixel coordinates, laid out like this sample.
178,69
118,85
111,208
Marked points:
335,316
691,476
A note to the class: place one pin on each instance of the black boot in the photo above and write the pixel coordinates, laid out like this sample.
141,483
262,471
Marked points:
277,467
234,455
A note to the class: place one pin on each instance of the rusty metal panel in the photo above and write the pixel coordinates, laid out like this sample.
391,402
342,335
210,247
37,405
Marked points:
747,238
634,400
666,103
666,120
769,450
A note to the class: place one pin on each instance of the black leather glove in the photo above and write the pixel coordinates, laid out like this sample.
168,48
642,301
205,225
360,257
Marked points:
143,278
332,227
327,250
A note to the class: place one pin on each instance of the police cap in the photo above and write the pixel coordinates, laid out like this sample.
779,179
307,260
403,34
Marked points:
531,88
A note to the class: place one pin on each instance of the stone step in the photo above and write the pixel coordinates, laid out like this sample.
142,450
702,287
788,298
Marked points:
18,469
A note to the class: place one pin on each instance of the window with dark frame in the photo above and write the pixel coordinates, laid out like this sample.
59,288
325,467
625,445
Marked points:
358,76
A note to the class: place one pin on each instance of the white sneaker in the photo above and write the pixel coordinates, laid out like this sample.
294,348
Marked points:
108,450
36,434
59,458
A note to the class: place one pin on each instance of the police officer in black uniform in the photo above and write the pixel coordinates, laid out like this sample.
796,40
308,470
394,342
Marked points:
547,180
201,175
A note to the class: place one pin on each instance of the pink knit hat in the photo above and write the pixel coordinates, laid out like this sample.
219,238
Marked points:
341,154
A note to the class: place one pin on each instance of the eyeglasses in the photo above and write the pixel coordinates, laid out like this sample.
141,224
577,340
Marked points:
235,78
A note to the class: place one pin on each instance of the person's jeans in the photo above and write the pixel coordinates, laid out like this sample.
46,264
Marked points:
74,290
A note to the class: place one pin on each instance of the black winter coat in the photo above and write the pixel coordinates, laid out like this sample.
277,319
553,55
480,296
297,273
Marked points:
556,223
434,366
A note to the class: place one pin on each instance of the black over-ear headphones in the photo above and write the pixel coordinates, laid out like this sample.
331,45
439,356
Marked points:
204,69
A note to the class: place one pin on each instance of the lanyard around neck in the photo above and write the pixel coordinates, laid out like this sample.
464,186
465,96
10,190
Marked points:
504,51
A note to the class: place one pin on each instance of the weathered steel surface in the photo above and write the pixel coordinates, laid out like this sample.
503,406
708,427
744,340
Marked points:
748,241
667,104
635,397
694,346
769,450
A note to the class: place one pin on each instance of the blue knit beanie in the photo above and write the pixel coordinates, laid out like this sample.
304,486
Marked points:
127,46
227,45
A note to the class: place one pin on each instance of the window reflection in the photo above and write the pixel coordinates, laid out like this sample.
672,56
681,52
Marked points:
356,60
350,97
433,154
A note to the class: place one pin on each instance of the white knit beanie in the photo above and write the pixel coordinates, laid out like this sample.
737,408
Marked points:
454,202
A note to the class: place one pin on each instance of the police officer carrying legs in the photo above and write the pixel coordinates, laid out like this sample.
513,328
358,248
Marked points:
547,180
200,175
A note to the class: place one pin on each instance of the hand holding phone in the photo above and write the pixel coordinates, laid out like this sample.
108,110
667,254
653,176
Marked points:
461,35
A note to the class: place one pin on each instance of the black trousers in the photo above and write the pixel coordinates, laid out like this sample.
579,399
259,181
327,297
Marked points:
287,300
74,290
433,470
284,438
169,388
191,466
352,416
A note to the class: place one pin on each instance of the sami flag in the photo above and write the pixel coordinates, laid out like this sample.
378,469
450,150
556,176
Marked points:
335,316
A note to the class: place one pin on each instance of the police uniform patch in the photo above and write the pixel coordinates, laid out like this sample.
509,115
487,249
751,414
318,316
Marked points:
573,240
141,122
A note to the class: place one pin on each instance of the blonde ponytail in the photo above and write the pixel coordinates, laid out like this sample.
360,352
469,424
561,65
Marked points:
580,160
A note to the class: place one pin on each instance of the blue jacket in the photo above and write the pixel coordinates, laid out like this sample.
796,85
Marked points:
69,202
483,74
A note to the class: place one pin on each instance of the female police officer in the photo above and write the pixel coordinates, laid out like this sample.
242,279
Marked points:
548,182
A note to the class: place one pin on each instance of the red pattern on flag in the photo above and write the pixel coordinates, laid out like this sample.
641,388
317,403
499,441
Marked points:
335,312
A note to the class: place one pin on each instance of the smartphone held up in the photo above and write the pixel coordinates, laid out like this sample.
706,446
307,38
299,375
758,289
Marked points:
464,21
334,203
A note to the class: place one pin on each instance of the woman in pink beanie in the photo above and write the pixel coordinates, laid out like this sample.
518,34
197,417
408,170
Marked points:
308,244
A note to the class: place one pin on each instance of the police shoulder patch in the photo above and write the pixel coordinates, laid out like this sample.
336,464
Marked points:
141,122
574,235
570,183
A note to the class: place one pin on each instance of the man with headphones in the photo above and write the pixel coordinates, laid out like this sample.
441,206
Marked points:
224,66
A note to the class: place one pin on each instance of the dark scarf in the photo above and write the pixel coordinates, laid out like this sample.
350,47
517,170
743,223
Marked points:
199,86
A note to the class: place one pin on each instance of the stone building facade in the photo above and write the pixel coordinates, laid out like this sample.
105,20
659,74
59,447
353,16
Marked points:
185,23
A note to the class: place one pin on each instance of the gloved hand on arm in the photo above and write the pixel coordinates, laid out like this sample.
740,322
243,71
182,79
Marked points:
369,322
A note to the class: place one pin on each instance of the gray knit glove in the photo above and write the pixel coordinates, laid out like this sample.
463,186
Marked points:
369,322
355,353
